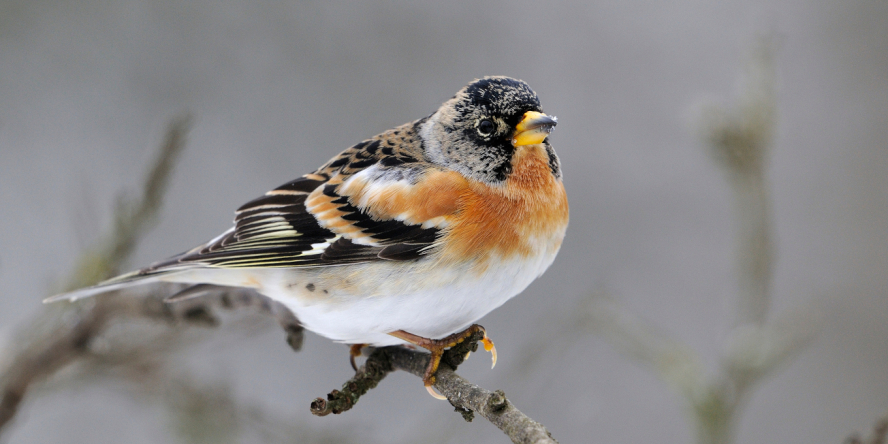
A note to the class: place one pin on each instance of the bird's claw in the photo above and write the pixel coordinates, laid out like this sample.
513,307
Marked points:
488,346
437,347
435,394
354,351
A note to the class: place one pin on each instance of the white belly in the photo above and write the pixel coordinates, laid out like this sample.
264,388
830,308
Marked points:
361,304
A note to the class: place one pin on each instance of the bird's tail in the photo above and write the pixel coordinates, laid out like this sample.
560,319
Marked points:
139,277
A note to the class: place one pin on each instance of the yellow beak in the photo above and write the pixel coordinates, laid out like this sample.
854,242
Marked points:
533,128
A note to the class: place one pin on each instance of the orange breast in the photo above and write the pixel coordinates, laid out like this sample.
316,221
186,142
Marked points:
524,217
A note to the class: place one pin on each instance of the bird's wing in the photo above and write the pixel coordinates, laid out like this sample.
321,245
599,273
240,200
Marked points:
375,201
362,206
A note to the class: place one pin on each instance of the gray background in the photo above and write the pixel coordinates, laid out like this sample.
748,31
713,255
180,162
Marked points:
276,88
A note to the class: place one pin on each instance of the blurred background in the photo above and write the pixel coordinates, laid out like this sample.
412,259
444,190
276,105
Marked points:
276,88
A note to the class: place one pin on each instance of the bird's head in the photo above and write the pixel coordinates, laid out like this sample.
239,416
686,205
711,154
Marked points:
478,131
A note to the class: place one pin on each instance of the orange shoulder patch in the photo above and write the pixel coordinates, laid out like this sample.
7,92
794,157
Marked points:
430,202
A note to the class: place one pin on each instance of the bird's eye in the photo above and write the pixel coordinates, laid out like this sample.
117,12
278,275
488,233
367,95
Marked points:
486,128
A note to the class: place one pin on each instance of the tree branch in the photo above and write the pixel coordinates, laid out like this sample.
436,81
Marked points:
466,398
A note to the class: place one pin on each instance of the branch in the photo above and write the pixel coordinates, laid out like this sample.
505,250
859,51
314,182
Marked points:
878,436
466,398
740,141
493,406
132,218
65,338
637,338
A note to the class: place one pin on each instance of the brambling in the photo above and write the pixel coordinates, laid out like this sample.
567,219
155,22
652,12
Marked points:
408,237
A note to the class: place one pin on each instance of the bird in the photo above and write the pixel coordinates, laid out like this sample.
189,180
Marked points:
406,238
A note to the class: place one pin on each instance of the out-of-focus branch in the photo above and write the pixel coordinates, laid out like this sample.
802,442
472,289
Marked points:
82,333
55,339
198,411
466,398
132,217
739,139
639,340
878,436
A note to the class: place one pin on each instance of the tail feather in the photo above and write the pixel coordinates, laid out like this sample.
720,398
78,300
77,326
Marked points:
116,283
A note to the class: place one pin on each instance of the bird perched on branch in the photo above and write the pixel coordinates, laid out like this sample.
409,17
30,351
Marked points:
407,237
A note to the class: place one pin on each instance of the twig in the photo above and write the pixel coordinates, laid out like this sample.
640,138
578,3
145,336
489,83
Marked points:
674,362
493,406
879,435
740,140
132,218
66,337
377,367
467,398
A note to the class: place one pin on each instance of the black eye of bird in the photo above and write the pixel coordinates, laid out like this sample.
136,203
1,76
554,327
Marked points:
486,127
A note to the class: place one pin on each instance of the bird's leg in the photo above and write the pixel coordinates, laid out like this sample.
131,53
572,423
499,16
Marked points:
437,346
354,351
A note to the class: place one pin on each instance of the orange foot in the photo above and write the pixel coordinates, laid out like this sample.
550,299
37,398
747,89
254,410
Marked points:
437,347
